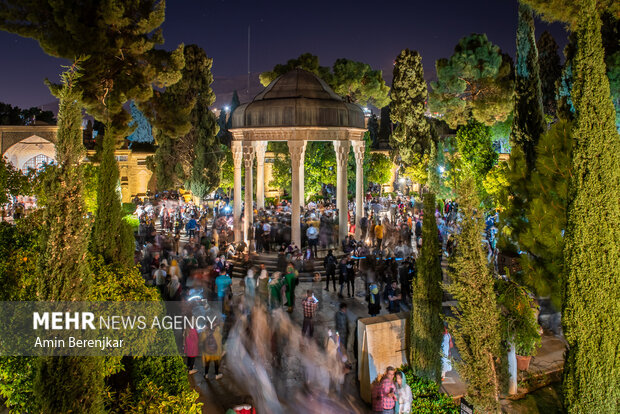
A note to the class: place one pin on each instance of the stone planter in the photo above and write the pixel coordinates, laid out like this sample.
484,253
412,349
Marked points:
523,362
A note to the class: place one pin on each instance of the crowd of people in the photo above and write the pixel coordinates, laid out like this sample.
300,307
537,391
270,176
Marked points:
382,260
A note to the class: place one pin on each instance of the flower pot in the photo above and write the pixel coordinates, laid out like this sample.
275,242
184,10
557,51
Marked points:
523,362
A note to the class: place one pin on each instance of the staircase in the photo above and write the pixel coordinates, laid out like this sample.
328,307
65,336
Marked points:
270,260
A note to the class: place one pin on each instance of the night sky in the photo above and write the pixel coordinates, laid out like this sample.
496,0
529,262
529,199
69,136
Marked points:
370,31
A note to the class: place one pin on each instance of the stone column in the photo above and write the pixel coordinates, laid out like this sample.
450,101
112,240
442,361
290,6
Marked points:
248,161
237,152
358,150
260,147
342,157
302,177
297,150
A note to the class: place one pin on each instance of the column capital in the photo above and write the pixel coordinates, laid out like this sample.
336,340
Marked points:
237,152
359,148
248,154
260,147
342,151
297,149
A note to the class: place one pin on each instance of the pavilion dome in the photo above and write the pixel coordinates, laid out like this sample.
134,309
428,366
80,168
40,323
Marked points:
298,99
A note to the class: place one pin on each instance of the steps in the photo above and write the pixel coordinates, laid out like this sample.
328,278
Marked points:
270,260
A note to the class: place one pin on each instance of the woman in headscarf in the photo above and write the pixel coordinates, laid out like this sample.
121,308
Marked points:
403,394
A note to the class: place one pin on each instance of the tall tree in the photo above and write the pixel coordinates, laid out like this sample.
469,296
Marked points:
528,122
373,130
205,172
475,82
385,127
67,384
476,324
543,266
143,132
234,103
426,323
118,36
412,135
592,253
550,71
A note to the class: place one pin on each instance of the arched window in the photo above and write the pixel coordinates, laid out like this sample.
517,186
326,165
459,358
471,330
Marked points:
37,162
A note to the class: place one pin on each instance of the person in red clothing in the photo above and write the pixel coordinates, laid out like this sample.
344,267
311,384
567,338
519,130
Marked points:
383,398
191,348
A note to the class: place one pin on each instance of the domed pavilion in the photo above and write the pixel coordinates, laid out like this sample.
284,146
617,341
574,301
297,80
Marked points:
296,107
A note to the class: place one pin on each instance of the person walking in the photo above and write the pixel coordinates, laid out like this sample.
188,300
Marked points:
383,393
191,348
394,297
374,300
309,304
313,239
379,234
342,275
342,327
212,349
290,280
263,286
275,291
330,262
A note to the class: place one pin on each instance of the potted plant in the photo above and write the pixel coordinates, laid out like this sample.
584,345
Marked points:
519,321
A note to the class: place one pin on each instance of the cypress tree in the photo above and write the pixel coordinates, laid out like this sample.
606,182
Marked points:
550,71
111,237
426,324
528,122
475,327
409,93
591,313
527,127
67,384
205,171
385,127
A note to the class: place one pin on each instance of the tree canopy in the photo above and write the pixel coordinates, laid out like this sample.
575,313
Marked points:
354,81
118,39
409,93
476,81
14,115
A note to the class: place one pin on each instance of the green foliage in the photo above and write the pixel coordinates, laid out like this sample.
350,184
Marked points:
418,170
65,274
205,172
379,168
355,81
156,400
495,185
550,71
475,82
69,384
120,40
227,172
518,317
12,181
358,82
13,115
90,178
16,378
434,179
281,172
409,93
111,237
528,122
320,167
568,11
475,327
476,149
542,237
385,125
591,310
373,130
426,310
427,399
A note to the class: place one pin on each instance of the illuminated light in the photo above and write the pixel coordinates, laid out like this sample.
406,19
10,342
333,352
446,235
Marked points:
441,169
226,108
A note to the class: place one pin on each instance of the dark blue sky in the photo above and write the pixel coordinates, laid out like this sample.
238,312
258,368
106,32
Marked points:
369,31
